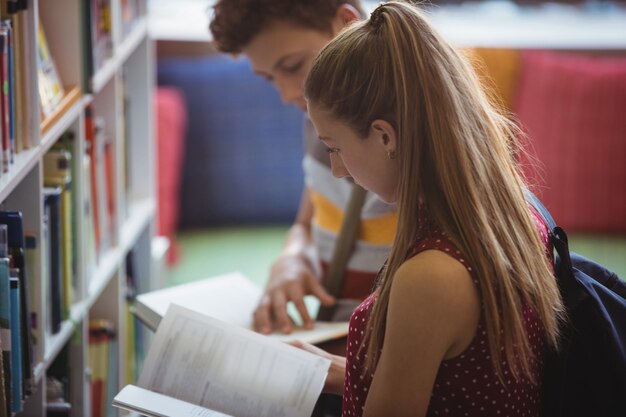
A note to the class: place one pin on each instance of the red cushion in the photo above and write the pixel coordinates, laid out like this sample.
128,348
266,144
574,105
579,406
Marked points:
171,116
573,108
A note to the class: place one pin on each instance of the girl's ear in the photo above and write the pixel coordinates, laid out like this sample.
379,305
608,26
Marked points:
385,133
345,14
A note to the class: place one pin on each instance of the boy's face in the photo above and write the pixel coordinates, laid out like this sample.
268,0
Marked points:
283,53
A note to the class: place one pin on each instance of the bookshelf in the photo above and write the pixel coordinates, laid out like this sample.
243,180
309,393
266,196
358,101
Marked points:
103,124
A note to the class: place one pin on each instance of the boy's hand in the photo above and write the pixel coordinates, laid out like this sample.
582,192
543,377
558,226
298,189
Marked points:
291,279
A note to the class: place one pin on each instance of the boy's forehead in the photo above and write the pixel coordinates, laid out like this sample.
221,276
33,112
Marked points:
277,34
281,39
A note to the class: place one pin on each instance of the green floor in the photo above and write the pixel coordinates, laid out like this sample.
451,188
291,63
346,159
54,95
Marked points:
206,253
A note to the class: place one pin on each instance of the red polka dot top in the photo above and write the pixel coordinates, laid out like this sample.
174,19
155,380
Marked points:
466,385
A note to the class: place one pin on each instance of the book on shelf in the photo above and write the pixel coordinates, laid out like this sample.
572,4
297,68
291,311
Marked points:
17,377
11,24
96,37
20,58
57,170
134,332
198,365
90,254
109,185
101,31
64,149
5,320
231,298
123,144
86,46
10,85
90,143
56,399
11,339
102,361
51,90
54,244
7,102
58,383
17,262
100,151
31,245
3,400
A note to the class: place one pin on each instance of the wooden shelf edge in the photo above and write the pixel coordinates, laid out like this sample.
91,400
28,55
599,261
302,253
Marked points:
72,95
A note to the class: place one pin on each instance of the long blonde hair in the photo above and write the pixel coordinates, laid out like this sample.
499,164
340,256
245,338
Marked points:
456,160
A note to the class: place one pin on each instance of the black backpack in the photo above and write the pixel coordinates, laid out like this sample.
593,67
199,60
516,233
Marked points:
587,376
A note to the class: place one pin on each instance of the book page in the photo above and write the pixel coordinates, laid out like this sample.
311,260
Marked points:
232,298
139,400
206,362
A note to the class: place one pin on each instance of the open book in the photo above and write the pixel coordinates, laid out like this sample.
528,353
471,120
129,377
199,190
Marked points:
200,366
231,298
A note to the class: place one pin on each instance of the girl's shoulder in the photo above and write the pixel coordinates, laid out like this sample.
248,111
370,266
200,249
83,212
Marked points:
433,268
433,294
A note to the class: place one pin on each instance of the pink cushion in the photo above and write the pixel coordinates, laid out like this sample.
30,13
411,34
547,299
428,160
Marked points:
573,108
171,116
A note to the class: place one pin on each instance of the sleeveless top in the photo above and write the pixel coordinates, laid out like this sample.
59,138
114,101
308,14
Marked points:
466,385
329,197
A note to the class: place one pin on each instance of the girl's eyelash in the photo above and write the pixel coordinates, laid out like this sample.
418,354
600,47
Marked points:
332,150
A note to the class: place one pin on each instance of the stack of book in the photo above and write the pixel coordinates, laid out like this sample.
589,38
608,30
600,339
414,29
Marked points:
16,338
102,362
16,119
100,185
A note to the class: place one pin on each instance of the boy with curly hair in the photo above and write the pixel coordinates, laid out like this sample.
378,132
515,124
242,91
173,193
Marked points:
281,38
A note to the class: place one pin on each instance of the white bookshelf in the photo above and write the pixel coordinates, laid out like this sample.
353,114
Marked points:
101,289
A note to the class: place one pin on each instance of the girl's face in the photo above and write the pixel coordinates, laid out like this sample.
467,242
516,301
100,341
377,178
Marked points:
369,161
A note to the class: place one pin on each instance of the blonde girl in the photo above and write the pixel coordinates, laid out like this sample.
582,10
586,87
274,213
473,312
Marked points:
460,317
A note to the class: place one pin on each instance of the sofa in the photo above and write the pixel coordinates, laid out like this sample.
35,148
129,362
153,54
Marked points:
241,163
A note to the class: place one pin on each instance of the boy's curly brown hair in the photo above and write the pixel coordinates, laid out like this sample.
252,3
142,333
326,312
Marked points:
235,22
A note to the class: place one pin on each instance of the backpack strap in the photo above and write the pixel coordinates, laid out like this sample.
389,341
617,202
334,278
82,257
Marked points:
558,237
538,205
343,249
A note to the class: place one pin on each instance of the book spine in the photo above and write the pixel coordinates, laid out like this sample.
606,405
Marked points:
5,326
15,241
10,87
87,211
12,114
26,62
100,332
34,295
54,230
18,76
67,143
111,381
16,349
66,238
57,173
4,98
101,184
90,136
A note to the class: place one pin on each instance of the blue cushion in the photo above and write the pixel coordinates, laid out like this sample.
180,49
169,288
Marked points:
243,148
